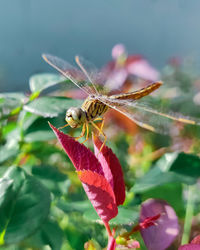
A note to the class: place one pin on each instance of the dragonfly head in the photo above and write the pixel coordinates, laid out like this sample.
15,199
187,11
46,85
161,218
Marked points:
75,117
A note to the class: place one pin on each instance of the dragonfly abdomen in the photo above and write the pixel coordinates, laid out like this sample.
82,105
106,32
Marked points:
93,108
139,93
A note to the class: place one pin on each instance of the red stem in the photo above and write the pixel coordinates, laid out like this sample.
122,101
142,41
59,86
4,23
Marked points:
107,226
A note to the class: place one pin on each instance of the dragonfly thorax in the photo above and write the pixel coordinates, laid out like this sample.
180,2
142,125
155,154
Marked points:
75,117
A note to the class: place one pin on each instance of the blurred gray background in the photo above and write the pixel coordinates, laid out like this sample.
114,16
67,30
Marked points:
157,29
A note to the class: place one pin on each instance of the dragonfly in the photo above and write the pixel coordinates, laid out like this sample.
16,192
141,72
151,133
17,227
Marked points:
97,103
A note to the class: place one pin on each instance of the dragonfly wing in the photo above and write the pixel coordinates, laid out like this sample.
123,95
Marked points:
174,116
140,118
147,117
70,72
94,75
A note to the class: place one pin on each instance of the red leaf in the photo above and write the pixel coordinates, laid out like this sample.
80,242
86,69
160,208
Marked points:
149,221
100,193
81,157
111,168
189,247
196,240
194,245
165,229
98,189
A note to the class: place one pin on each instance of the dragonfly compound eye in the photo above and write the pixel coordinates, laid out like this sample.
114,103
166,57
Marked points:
75,117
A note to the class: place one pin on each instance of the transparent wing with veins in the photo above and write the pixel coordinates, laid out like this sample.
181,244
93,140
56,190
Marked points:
90,71
79,78
97,77
147,116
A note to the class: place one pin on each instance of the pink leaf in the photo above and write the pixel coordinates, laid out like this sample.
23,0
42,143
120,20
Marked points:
111,168
190,247
196,240
194,245
161,235
81,157
142,68
100,193
98,189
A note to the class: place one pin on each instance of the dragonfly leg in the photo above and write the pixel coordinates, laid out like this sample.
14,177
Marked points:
101,133
87,133
102,123
82,133
63,126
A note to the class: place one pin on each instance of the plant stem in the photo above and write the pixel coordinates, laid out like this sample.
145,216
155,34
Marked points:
188,215
107,226
12,113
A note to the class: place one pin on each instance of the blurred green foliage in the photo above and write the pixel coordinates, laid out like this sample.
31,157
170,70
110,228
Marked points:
42,202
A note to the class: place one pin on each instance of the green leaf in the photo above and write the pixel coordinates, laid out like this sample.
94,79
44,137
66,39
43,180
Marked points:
39,136
78,206
24,206
186,165
172,193
50,234
171,168
13,96
8,150
11,131
8,128
125,216
39,82
11,100
51,178
48,173
51,106
5,198
3,169
29,120
13,247
39,130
